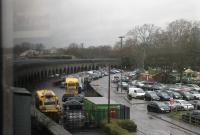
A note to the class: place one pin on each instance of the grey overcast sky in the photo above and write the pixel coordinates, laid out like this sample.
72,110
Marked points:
100,22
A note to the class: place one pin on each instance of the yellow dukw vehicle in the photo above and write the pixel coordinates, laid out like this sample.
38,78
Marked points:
47,102
72,88
72,85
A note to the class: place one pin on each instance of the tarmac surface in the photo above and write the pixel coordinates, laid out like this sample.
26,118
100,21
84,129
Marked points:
148,123
59,92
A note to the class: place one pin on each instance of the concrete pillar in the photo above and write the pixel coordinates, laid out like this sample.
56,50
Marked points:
21,111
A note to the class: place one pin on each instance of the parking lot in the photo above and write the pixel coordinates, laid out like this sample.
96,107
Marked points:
149,123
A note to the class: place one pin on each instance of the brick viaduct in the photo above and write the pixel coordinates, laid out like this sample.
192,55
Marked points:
28,70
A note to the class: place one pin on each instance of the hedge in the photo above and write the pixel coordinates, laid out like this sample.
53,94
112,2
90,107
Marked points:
119,127
127,124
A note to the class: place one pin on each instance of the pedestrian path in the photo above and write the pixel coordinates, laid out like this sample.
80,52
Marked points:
182,124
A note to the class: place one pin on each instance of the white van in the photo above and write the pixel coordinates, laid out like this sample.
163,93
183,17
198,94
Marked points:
136,92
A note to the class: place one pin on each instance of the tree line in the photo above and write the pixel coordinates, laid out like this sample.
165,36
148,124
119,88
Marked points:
175,47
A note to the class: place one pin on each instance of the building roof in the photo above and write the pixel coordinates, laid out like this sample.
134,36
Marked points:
100,100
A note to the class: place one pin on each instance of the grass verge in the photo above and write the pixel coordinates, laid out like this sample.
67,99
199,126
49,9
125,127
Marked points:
119,127
176,115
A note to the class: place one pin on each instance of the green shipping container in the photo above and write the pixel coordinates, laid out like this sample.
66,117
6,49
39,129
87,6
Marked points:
97,109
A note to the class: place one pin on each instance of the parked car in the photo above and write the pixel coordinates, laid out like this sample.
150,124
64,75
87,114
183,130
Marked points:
195,103
124,85
105,73
179,84
114,71
140,83
135,93
186,95
148,85
156,106
174,94
115,79
185,104
158,86
175,107
163,96
125,79
151,95
194,87
195,93
133,83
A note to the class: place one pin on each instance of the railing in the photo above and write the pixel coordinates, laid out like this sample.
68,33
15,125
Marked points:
191,119
52,126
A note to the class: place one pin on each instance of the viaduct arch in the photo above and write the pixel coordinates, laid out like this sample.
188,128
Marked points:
31,70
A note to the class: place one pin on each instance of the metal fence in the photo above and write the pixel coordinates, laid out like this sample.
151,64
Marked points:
53,127
76,119
191,119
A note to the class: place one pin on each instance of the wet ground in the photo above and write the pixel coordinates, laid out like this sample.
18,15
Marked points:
148,123
59,92
89,132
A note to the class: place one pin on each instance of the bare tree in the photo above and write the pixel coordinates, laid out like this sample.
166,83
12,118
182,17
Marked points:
144,35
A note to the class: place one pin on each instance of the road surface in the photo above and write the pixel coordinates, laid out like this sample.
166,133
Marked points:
147,123
59,92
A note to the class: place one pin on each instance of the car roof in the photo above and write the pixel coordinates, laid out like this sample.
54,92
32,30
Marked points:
179,100
135,88
162,92
157,102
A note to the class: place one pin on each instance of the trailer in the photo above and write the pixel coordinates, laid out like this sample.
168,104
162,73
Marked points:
72,115
96,109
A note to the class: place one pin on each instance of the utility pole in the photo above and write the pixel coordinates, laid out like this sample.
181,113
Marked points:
109,93
121,37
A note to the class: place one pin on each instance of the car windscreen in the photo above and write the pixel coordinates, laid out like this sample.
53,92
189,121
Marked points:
162,104
49,101
195,86
184,102
124,83
116,77
164,94
152,94
72,84
187,93
195,92
176,94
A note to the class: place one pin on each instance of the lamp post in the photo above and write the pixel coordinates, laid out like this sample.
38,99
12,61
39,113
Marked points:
121,38
109,93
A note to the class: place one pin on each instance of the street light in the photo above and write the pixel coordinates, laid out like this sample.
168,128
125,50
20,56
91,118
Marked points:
108,93
121,37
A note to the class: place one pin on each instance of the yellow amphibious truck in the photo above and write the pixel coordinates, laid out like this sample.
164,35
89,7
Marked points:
47,102
72,85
